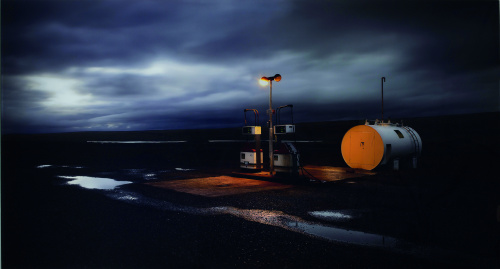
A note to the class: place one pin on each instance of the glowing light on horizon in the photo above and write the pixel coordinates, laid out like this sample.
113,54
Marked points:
63,92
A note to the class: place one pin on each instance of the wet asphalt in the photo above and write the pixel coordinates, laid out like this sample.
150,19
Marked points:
48,223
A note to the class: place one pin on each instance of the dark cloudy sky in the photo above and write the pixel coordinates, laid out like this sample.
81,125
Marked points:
141,65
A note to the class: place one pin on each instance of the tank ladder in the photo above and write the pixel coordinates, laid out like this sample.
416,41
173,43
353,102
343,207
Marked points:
414,137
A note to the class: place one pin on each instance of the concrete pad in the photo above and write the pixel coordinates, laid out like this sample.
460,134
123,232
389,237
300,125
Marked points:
323,173
219,186
264,175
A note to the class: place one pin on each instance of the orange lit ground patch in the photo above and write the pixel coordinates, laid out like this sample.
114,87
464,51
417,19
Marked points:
219,186
328,173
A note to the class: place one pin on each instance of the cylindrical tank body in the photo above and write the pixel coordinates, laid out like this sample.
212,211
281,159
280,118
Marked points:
367,146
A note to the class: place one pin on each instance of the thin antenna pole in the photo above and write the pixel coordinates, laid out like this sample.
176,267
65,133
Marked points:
383,80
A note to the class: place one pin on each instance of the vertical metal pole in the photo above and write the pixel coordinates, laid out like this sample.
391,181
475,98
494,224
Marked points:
271,134
383,80
257,151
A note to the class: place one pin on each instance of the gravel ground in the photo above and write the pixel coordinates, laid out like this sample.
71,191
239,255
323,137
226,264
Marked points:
443,214
50,225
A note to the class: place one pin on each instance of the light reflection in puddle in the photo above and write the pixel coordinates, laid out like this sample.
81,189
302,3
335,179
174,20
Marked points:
343,235
267,217
60,166
282,220
128,197
183,169
288,222
95,182
273,218
331,215
139,173
137,142
135,171
150,176
44,166
293,223
135,198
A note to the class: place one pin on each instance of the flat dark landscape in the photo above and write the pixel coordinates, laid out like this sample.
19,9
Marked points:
445,213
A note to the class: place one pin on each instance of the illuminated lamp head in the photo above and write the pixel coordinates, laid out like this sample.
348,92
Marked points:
265,80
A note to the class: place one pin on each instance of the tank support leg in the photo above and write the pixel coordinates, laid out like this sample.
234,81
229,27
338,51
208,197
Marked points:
396,164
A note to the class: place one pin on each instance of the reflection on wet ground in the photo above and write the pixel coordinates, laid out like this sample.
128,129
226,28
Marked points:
58,166
268,217
296,224
319,229
218,186
183,169
95,182
332,215
44,166
343,235
137,142
327,173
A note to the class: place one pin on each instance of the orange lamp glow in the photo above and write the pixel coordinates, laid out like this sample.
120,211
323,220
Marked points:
263,81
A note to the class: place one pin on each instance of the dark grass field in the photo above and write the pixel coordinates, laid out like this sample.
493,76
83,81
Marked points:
446,209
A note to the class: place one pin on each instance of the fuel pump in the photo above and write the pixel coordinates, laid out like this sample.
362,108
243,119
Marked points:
286,155
251,154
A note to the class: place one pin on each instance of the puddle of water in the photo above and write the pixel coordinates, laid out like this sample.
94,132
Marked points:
183,169
128,197
44,166
95,182
60,166
343,235
331,215
274,218
138,199
288,222
135,171
256,215
140,173
296,224
137,142
268,217
149,176
226,141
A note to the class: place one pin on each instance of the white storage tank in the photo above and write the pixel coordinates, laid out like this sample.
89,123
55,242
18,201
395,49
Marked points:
367,146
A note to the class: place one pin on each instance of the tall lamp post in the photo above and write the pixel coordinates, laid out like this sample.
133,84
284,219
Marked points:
264,81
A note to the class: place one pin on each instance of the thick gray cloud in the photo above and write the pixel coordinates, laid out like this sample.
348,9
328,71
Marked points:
139,65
